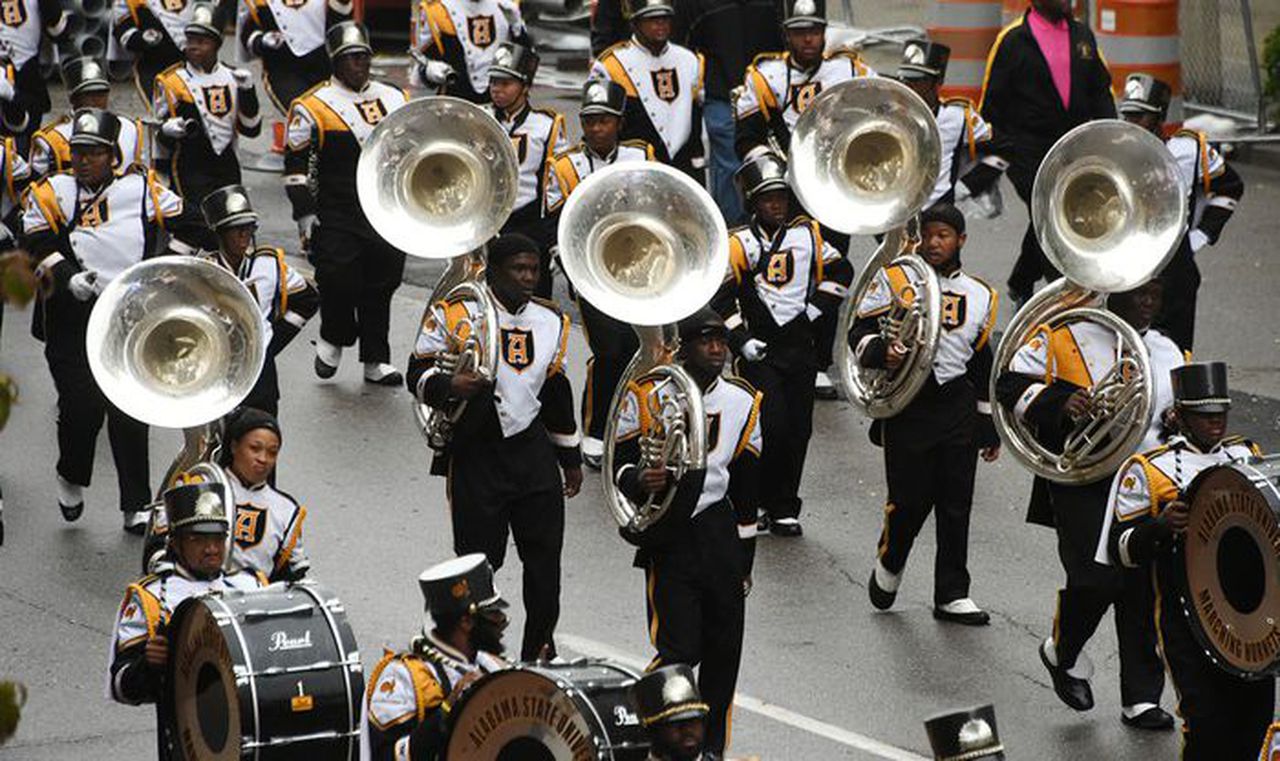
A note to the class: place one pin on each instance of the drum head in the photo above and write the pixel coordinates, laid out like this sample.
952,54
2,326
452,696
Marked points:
1232,587
206,709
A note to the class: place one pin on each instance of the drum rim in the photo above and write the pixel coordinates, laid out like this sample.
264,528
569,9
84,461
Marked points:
313,590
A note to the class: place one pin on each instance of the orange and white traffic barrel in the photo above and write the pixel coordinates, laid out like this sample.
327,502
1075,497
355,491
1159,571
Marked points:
968,27
1141,36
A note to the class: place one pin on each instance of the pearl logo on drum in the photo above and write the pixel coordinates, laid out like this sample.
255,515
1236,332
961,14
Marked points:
281,641
622,717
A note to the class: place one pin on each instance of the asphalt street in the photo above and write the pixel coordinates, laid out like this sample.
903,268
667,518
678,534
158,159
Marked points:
823,676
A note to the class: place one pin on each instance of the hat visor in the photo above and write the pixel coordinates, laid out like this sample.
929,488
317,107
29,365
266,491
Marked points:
677,713
1207,407
776,183
93,85
201,29
502,72
657,10
493,603
352,47
235,220
202,527
908,71
90,141
800,22
598,109
1138,107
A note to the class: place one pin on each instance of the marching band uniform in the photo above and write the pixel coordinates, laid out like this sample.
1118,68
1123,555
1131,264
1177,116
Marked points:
17,175
504,460
538,134
356,270
666,697
51,144
1216,189
289,38
698,568
24,25
931,446
1044,373
285,299
407,702
777,89
612,342
84,237
268,531
971,162
150,602
1032,100
203,112
664,92
1225,717
463,35
781,283
154,32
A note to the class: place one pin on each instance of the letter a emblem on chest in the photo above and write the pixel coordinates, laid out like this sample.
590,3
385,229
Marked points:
666,84
481,30
13,13
95,214
372,111
517,348
953,310
251,526
713,430
217,99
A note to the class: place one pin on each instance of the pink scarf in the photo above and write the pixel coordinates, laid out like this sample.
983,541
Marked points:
1054,39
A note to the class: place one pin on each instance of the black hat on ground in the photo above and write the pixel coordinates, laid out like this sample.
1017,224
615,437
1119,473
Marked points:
197,508
460,586
228,207
802,13
347,37
601,96
94,126
514,61
84,74
1201,387
638,9
1144,94
964,735
668,695
922,59
761,172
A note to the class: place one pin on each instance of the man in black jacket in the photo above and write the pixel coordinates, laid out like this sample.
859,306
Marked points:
1044,77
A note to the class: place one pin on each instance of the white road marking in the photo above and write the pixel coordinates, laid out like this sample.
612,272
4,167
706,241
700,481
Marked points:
846,737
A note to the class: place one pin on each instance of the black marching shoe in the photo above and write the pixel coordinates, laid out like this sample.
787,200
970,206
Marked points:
880,599
1154,719
1075,692
963,611
71,513
382,374
787,527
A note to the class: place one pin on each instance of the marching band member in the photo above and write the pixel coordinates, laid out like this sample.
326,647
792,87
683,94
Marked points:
87,86
458,39
86,228
516,435
288,36
698,569
24,27
612,342
1047,386
672,712
286,300
779,86
411,692
1216,189
663,82
1044,76
203,106
18,175
931,447
357,272
538,135
140,653
971,162
1224,716
154,32
783,279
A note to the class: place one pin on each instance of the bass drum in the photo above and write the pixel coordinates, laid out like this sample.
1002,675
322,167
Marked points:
268,674
1230,564
571,712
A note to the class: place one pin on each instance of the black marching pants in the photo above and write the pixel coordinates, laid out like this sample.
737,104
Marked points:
289,76
1177,317
696,609
513,487
356,276
786,424
82,407
1031,264
1078,512
613,344
930,458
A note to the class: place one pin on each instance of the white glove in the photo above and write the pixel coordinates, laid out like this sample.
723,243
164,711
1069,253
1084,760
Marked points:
307,226
6,89
272,40
436,73
175,127
754,349
152,37
83,285
243,78
813,313
1198,240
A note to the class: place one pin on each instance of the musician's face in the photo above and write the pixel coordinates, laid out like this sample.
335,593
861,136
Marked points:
236,240
680,740
600,132
353,69
92,164
939,244
707,354
202,554
773,207
926,88
655,30
1138,307
1204,429
515,277
202,50
254,455
1150,122
507,93
487,629
806,43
